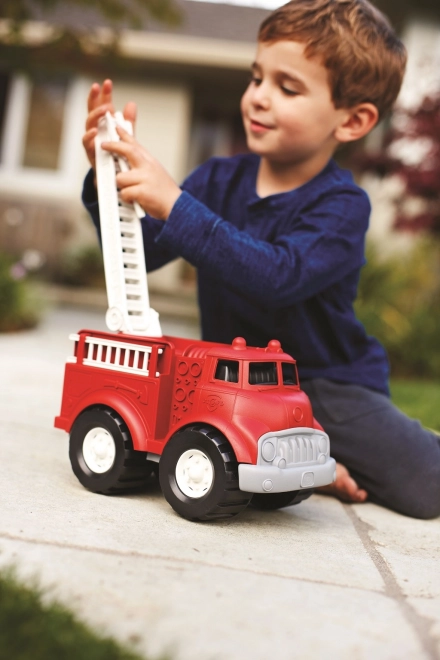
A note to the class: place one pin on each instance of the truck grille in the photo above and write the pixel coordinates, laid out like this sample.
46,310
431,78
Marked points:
293,447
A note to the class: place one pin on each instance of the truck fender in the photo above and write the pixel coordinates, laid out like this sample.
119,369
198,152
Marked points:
245,451
317,425
136,425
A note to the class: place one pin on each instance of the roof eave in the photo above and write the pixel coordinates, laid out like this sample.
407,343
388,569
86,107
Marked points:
149,46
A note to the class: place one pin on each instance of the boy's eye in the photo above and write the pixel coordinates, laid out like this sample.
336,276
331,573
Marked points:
289,92
254,80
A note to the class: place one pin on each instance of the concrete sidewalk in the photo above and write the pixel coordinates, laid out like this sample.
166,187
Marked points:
316,580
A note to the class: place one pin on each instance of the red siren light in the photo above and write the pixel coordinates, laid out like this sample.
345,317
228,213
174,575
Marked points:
239,343
274,346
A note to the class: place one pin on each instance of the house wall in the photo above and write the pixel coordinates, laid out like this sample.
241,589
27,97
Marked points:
163,126
41,209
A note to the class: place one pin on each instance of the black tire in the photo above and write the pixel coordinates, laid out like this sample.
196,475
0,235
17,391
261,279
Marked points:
223,498
272,501
129,470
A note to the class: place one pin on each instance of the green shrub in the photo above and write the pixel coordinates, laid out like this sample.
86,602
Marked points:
399,303
17,309
33,630
83,266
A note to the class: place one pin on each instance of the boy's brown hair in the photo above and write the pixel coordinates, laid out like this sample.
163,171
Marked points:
355,42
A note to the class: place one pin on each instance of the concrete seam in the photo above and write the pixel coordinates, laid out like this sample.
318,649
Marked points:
420,624
176,560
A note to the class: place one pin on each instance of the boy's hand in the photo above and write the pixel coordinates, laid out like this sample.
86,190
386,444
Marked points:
99,102
147,182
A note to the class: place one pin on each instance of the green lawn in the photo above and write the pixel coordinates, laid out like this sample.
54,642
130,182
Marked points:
32,630
418,399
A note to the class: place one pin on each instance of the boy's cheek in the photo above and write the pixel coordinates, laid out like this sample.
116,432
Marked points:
244,103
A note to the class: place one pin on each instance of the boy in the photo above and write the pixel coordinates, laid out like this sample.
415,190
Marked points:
278,235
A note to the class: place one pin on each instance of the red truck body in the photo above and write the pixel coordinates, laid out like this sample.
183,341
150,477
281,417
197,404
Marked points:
161,386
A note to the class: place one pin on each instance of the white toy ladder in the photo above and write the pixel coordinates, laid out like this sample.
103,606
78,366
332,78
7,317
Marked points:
129,308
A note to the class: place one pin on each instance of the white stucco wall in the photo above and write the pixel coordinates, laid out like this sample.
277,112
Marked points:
163,127
163,122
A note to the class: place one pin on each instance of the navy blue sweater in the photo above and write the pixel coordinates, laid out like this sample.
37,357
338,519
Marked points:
281,267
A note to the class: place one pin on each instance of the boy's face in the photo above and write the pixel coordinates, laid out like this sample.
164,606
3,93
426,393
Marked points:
287,110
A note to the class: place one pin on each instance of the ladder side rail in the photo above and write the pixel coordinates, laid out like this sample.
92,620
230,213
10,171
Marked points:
122,243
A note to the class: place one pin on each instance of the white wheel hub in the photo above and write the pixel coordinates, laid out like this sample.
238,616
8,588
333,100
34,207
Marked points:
99,450
194,473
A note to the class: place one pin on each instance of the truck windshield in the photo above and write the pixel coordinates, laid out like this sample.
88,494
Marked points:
289,373
263,373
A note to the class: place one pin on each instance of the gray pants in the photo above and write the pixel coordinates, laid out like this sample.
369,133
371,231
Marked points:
393,457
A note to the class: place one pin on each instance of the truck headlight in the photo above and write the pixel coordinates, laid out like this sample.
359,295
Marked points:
268,451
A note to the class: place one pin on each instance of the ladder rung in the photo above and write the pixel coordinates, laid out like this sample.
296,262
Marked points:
126,214
135,305
130,258
124,206
133,290
128,243
127,227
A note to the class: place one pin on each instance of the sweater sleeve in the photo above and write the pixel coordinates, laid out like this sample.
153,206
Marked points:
323,245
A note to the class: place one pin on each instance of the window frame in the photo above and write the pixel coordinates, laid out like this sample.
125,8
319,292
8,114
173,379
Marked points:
295,369
14,177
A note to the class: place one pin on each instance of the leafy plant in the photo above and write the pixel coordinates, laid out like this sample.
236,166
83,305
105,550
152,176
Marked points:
399,303
411,152
69,42
83,266
17,309
116,12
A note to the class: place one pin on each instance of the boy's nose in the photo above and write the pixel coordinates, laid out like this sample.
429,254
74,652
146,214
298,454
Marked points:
260,96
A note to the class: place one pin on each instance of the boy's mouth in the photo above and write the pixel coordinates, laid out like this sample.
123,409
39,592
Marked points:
258,127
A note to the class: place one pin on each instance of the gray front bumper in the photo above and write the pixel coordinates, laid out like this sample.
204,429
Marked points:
271,479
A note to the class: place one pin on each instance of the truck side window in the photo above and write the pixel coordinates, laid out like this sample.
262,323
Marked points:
227,370
263,373
289,373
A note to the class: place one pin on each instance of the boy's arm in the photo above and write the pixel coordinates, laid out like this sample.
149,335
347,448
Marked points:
322,248
324,245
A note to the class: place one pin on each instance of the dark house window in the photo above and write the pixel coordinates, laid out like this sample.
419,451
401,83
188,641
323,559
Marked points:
4,91
45,124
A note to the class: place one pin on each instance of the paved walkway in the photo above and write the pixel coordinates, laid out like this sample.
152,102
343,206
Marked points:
317,580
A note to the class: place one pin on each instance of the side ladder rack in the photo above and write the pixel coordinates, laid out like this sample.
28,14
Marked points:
129,308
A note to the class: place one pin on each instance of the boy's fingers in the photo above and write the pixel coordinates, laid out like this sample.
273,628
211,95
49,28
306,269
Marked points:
95,115
130,178
130,112
122,148
131,193
89,138
93,96
125,135
106,91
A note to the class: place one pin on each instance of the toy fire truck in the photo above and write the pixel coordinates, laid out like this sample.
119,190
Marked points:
223,424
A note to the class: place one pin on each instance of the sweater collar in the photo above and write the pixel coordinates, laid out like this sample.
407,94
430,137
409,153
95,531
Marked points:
282,197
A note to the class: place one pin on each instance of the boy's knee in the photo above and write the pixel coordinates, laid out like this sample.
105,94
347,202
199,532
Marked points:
420,498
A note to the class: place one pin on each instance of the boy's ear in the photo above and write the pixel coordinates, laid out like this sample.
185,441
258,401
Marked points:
357,122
